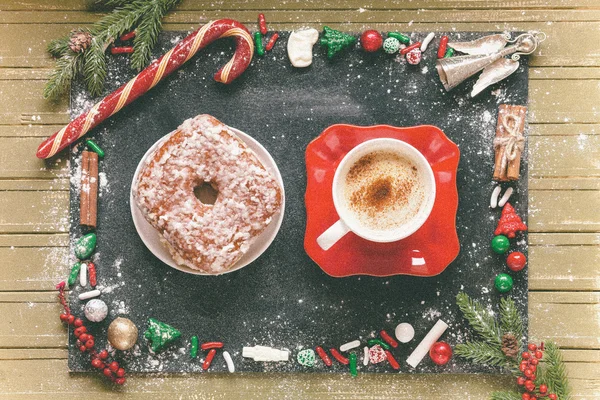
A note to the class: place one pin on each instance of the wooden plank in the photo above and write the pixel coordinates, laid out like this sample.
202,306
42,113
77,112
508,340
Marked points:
564,239
570,129
27,268
543,73
571,211
568,183
21,162
33,354
24,73
29,185
578,156
42,211
34,130
29,106
560,101
33,324
564,268
34,240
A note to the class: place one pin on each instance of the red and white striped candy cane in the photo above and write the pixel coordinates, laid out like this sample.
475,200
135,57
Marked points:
149,77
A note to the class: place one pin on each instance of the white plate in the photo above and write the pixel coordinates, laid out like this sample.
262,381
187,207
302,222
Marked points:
151,237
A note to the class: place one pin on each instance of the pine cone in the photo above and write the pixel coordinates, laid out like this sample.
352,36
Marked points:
80,40
510,345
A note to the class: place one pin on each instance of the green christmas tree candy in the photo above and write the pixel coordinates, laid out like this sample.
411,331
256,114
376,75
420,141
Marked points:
336,41
160,334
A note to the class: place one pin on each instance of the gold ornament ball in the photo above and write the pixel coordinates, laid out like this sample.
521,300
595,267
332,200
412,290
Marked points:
122,334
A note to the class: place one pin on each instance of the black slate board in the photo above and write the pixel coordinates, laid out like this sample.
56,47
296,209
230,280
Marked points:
283,299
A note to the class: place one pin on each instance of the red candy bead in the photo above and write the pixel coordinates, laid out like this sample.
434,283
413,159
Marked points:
211,345
410,48
440,353
371,40
516,261
338,356
531,346
103,354
393,362
107,372
120,381
120,372
113,366
262,24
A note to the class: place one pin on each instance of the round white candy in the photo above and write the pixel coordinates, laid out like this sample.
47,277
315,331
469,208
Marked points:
405,332
95,310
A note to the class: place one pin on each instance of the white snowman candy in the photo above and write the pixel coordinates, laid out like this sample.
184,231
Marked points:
299,47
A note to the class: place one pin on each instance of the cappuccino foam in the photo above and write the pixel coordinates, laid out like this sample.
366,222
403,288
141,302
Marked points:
383,191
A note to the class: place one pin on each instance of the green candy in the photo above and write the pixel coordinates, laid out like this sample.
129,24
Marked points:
307,358
353,370
194,347
503,283
335,41
500,244
449,52
258,43
73,274
391,45
400,37
373,342
92,145
85,246
160,334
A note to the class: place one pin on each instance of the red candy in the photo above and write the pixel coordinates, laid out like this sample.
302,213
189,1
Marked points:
516,261
377,354
92,274
392,360
442,48
208,359
323,356
371,40
440,353
510,223
338,356
272,41
121,50
211,345
414,57
388,339
262,24
413,46
127,36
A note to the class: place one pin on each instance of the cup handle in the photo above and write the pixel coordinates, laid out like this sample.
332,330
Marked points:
334,233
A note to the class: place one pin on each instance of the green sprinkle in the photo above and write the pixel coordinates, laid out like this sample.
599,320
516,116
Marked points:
194,347
353,370
258,43
74,273
373,342
92,145
402,38
449,52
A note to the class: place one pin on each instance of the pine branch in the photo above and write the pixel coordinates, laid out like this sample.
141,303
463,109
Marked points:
480,319
555,373
505,396
510,320
95,67
120,21
67,67
147,36
482,353
59,47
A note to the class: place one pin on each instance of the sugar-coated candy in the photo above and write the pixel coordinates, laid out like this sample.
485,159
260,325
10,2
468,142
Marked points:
262,23
516,261
95,310
350,345
373,342
377,354
338,356
90,294
388,339
401,37
307,358
258,44
229,361
194,346
449,52
353,362
442,48
323,355
393,362
426,41
300,45
366,356
83,273
160,334
414,57
371,40
73,274
209,358
84,247
494,198
503,283
391,45
404,332
505,197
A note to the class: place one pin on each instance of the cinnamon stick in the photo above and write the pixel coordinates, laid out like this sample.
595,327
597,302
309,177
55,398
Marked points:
88,199
505,169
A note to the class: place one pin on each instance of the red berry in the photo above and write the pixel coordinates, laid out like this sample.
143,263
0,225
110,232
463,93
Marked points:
371,40
78,322
539,355
526,396
534,361
552,396
523,366
529,386
521,381
84,337
525,355
120,381
79,331
107,372
120,372
528,372
532,347
533,397
516,261
89,343
533,377
543,388
114,366
82,348
63,317
70,319
103,354
97,363
533,368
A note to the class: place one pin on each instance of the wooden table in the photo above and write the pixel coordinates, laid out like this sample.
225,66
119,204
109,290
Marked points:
564,217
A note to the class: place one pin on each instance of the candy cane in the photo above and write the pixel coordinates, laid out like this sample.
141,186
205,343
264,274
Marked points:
156,71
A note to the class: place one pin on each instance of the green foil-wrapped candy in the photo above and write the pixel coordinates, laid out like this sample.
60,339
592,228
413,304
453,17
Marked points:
84,247
160,334
503,283
307,358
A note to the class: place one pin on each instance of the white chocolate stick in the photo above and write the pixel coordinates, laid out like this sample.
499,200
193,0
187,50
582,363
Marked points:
426,41
366,356
494,198
264,353
350,345
506,196
423,348
83,275
229,361
89,295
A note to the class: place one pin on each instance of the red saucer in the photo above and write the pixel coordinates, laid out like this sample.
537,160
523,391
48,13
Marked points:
427,252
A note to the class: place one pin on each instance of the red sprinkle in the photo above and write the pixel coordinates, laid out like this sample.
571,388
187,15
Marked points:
392,360
272,41
323,356
413,46
211,345
92,274
443,45
208,359
388,339
262,24
121,50
127,36
337,355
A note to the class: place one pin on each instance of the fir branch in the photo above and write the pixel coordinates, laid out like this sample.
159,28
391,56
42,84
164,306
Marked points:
510,320
480,320
482,353
59,47
120,21
67,67
95,67
146,36
555,374
505,396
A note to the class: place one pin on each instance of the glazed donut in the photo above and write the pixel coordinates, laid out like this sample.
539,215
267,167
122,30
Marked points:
211,238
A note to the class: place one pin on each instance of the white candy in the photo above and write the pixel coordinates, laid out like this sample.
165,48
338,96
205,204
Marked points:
228,361
89,295
264,353
95,310
366,356
426,41
506,196
423,348
299,47
83,275
405,332
494,198
350,345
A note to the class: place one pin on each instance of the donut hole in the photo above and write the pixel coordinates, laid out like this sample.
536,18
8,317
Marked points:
207,193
